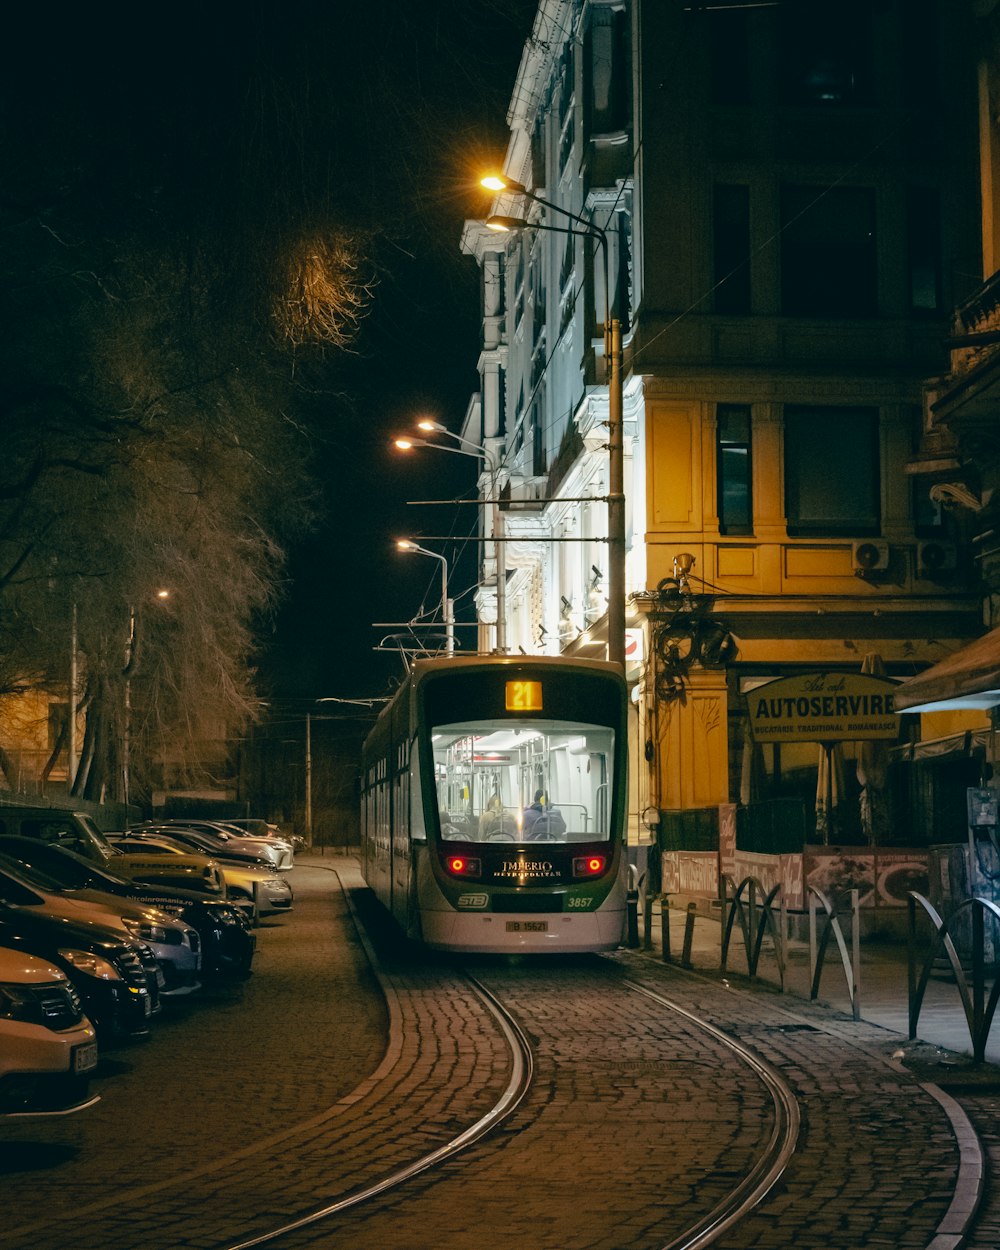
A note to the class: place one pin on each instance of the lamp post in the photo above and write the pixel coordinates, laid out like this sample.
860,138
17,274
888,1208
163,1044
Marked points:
480,453
447,609
616,445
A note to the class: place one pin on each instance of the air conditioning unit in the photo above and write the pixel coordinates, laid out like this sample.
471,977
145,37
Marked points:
936,557
870,556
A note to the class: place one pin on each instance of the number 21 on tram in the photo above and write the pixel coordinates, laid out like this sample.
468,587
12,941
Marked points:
493,804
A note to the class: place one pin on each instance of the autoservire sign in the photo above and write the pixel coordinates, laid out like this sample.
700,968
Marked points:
823,707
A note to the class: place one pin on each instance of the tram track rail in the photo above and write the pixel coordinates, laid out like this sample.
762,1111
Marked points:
522,1068
749,1192
770,1165
745,1195
519,1007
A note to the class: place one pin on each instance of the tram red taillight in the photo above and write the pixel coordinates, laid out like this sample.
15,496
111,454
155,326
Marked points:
464,865
589,865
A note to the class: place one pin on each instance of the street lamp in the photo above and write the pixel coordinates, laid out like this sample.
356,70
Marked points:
469,448
616,446
447,608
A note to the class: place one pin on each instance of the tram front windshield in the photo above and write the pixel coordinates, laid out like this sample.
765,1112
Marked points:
536,780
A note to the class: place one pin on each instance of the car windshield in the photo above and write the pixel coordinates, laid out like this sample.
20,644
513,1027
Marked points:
64,865
536,780
33,876
16,891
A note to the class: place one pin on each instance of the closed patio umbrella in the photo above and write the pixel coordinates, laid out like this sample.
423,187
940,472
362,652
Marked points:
873,772
829,792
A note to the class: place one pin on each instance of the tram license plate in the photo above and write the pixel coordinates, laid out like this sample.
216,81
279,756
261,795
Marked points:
85,1057
527,926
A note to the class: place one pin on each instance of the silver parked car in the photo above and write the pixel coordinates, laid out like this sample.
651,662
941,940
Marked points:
261,885
216,840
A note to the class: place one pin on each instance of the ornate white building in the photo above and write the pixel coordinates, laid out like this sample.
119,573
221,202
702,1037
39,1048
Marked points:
780,206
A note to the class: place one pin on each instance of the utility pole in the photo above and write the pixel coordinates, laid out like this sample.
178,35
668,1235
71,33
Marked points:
616,501
309,775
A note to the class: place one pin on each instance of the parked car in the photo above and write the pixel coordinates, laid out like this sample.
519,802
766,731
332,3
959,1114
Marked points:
175,945
48,1047
115,976
195,840
77,832
270,836
257,828
268,890
217,840
225,929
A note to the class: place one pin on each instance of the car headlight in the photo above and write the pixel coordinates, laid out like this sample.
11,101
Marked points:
225,914
17,1002
152,932
92,965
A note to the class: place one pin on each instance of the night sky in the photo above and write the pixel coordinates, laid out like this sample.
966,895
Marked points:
417,355
248,120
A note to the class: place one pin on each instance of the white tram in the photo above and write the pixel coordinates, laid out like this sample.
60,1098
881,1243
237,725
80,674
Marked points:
493,804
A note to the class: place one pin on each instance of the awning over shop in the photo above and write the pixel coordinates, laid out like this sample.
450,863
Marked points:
937,750
968,678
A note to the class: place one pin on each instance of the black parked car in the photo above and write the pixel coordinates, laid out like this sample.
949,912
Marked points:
117,978
227,937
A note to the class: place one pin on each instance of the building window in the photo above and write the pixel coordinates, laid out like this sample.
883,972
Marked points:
566,88
825,53
923,249
567,293
621,301
606,71
566,113
519,286
568,267
733,469
494,286
731,239
828,257
918,58
539,456
538,292
831,471
538,166
729,56
501,402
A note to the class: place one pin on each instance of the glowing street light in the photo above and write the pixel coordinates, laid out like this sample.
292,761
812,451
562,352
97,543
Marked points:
468,448
447,607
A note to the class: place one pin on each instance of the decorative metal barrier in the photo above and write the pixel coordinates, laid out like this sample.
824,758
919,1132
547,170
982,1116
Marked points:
632,907
851,963
696,909
756,919
978,1009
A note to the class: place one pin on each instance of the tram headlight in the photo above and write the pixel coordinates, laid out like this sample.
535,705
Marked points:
464,865
589,865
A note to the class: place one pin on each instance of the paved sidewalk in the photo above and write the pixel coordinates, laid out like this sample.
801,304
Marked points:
883,988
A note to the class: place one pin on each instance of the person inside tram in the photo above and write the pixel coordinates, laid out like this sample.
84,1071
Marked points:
448,827
495,824
541,819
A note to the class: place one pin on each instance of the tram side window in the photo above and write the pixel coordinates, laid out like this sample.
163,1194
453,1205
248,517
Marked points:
417,831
